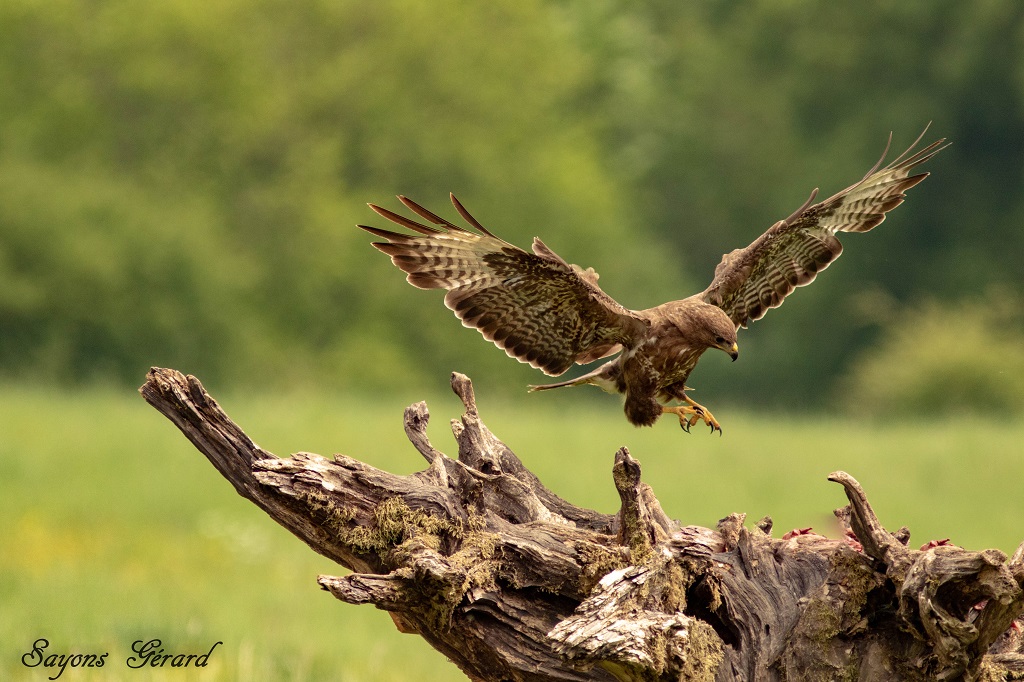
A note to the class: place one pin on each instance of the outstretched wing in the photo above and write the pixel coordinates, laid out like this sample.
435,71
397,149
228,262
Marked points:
538,308
748,282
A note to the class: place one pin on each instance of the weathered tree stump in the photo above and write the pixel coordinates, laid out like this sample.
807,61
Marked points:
513,583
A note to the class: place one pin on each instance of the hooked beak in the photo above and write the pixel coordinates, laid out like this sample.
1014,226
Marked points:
734,352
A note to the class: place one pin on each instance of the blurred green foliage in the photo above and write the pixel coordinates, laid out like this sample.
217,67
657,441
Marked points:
179,181
944,361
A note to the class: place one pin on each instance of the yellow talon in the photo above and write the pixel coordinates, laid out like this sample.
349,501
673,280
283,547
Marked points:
690,413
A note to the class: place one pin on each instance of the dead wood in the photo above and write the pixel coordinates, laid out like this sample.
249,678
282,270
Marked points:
513,583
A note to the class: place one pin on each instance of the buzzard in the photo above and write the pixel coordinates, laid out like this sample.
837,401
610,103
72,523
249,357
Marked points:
544,311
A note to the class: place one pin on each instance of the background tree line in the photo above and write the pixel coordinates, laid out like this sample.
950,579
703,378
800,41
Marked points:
179,183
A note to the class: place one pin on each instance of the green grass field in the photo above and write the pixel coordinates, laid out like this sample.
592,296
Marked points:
115,529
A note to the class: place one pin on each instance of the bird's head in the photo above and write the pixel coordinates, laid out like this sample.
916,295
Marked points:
721,332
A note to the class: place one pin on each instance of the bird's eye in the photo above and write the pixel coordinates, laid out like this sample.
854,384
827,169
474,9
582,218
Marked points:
719,339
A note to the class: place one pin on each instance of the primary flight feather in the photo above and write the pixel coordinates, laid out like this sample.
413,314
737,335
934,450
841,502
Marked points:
551,314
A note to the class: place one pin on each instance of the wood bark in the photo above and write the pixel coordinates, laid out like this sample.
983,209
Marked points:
511,582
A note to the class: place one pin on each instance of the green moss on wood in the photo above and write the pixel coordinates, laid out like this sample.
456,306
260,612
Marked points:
597,561
704,653
394,524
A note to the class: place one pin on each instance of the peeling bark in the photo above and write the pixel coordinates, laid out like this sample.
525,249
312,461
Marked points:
511,582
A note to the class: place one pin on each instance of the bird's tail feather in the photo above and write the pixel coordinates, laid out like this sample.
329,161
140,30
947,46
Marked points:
599,377
560,384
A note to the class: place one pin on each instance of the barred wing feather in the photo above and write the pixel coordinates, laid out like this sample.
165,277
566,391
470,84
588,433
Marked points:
748,282
535,306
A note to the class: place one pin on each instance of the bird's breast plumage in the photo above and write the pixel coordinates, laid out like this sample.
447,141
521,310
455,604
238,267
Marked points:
669,354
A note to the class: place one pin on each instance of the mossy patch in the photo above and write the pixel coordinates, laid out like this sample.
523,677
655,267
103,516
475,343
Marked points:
474,565
597,561
394,524
820,620
674,581
833,613
990,672
850,572
704,653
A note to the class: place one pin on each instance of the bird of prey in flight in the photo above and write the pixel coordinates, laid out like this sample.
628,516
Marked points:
544,311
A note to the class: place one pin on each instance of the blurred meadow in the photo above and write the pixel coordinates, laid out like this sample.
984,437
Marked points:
179,185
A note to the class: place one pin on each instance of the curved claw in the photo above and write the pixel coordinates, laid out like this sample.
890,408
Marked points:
690,414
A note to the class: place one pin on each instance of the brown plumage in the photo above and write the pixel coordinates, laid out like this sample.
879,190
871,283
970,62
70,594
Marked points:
546,312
